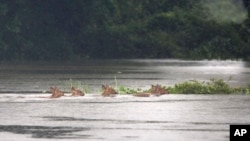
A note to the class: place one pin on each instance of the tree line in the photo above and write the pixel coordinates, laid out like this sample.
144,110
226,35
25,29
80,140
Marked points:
89,29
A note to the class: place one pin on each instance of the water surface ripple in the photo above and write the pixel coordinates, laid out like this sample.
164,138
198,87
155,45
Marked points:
174,117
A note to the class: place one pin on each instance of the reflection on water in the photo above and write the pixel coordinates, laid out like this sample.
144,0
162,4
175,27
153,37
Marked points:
93,117
35,78
44,131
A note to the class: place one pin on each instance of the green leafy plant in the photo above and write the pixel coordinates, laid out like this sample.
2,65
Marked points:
214,86
241,90
126,90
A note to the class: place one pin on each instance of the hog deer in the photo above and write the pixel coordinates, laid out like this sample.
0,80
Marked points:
76,92
56,93
108,91
158,90
142,94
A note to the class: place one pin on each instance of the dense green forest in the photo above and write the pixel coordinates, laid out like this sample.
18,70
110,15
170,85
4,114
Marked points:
88,29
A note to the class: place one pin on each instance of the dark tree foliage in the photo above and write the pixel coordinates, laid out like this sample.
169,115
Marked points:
86,29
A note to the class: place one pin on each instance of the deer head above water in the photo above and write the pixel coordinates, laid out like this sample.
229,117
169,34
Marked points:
56,93
158,90
108,91
76,92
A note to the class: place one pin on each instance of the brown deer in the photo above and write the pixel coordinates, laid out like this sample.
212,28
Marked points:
142,94
76,92
56,93
108,91
158,90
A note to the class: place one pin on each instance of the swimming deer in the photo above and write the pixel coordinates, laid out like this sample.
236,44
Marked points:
142,94
158,90
76,92
56,93
108,91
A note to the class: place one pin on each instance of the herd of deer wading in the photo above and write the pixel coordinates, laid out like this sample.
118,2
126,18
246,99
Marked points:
107,91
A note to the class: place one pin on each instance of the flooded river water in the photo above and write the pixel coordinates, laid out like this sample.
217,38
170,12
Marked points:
25,115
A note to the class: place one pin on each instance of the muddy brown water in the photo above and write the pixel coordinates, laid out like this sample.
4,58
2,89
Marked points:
27,116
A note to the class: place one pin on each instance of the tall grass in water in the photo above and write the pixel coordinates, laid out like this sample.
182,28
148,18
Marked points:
78,85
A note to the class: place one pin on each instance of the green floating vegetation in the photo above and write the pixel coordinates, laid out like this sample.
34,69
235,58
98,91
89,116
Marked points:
126,90
214,86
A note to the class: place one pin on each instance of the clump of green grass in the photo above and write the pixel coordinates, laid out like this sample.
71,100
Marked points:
248,90
241,90
126,90
214,86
